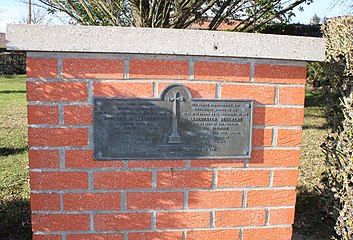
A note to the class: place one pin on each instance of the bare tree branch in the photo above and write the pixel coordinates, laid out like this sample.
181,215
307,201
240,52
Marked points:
283,11
195,17
248,14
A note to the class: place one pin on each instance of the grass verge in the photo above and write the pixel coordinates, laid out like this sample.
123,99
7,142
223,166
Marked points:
14,179
311,222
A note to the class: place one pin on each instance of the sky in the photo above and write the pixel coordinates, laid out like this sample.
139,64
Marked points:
13,11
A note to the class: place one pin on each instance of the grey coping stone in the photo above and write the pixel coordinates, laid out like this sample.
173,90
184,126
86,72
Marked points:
184,42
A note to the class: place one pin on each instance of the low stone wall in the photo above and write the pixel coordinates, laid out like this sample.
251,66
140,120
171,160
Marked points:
74,196
12,63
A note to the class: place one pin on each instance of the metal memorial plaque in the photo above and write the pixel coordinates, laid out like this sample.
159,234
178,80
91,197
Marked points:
175,126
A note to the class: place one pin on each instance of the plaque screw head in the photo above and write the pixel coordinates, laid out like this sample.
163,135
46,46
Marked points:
245,152
99,103
100,154
247,105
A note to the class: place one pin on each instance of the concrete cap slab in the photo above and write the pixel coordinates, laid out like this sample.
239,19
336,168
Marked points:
84,39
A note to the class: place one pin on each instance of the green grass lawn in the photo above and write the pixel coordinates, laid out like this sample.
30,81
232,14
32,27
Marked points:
14,183
310,221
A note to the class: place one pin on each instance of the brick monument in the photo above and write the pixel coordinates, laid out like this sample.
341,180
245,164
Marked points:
74,196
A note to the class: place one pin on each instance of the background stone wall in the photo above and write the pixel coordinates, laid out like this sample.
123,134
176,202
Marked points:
12,63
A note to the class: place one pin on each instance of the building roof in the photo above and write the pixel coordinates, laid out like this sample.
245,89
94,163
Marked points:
2,40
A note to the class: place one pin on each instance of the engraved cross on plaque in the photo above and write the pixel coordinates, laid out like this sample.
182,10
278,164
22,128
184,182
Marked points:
175,137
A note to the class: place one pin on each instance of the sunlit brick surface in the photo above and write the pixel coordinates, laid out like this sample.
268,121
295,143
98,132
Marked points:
76,197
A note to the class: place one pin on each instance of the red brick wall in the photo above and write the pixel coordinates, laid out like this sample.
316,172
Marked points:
75,197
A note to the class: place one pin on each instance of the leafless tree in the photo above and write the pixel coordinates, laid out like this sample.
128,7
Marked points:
244,15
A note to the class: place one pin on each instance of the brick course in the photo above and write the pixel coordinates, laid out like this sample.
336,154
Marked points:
42,67
122,180
240,218
41,114
60,222
184,179
122,221
223,234
283,233
156,235
93,68
222,71
260,94
57,136
280,74
58,180
91,201
44,159
57,91
78,115
123,89
158,69
215,199
180,220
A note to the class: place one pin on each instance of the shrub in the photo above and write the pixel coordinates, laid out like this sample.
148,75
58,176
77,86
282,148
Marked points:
338,147
339,174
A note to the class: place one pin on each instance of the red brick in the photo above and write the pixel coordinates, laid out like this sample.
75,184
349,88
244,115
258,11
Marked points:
271,116
268,198
93,68
281,233
282,216
123,89
156,236
260,94
40,114
122,180
275,158
78,114
198,90
57,91
224,234
262,137
42,67
154,200
222,71
122,221
44,158
291,95
212,163
289,137
280,74
46,237
101,236
215,199
57,136
45,202
91,201
283,178
60,222
58,180
84,159
184,179
157,164
243,178
183,220
237,218
171,69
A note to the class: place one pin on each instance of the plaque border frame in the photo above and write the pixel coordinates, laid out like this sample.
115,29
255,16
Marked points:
160,98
